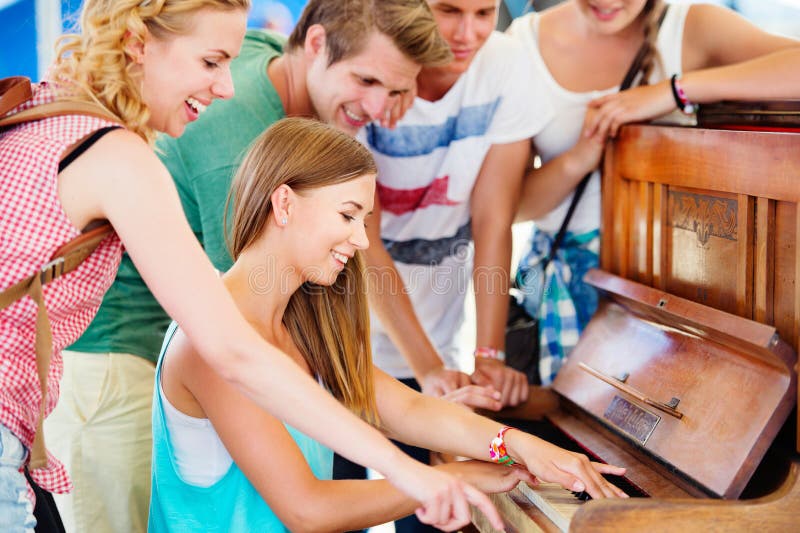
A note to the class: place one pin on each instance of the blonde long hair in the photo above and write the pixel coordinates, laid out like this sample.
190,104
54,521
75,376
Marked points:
328,324
95,65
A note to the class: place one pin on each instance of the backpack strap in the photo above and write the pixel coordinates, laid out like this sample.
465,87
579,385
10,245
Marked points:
13,92
64,260
54,109
16,90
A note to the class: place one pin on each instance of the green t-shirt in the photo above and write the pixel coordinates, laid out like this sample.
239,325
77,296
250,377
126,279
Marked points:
202,163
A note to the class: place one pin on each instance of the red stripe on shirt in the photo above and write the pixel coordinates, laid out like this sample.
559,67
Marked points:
401,201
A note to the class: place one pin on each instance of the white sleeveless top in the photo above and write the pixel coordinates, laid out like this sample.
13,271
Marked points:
563,131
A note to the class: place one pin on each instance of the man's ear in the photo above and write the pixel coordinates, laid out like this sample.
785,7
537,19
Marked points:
134,46
314,43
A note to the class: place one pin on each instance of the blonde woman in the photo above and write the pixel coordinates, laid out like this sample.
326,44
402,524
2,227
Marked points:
581,50
112,365
154,64
301,200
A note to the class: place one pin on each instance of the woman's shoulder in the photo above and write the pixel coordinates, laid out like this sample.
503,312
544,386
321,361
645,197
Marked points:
523,27
500,49
123,151
118,167
553,26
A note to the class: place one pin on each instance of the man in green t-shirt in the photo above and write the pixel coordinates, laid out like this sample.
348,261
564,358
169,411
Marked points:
347,62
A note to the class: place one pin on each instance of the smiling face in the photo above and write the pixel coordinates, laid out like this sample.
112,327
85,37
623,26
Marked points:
330,224
611,16
358,89
465,25
182,74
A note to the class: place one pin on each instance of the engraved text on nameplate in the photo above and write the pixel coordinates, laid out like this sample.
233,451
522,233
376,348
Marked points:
631,419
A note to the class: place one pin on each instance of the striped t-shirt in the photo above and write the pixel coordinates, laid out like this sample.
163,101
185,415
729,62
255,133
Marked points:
427,168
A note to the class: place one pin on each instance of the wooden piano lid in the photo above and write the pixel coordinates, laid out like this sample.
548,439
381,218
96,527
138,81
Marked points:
702,391
763,115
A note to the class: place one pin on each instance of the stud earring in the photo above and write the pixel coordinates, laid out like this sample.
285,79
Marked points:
284,221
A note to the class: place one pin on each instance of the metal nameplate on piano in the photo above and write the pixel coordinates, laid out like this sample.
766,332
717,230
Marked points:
632,419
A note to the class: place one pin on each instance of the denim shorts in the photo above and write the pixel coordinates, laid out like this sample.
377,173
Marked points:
16,508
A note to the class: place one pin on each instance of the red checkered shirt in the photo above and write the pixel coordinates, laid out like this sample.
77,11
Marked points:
32,226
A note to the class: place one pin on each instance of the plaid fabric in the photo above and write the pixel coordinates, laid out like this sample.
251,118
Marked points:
32,226
559,299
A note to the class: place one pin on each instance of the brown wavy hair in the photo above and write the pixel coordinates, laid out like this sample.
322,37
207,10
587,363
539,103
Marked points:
94,64
328,324
651,13
408,23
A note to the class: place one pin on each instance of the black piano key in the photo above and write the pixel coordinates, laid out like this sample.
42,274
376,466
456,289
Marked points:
620,482
582,496
626,486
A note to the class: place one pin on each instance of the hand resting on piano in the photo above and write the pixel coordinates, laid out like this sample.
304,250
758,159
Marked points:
571,470
446,427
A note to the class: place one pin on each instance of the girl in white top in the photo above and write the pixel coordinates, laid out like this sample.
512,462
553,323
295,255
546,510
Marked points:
583,48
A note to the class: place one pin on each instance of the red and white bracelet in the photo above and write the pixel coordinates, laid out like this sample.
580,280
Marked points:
497,448
490,353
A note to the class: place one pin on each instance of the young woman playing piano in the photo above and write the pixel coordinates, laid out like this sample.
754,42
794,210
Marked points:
301,200
582,50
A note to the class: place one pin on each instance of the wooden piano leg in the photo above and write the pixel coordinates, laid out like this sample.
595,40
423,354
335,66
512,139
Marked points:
779,512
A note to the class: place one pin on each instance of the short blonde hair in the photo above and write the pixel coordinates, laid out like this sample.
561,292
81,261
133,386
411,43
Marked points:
94,65
328,324
409,24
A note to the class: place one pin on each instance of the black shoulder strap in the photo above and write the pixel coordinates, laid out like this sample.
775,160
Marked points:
636,65
633,70
85,145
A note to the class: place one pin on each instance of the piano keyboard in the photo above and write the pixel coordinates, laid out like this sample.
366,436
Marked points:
559,505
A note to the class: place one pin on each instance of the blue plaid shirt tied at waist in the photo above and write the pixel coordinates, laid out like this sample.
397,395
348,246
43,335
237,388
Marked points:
558,298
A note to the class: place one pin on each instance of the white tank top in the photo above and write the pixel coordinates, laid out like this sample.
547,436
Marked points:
562,132
200,457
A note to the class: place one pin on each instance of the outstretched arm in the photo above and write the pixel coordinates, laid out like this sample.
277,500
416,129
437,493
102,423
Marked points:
446,427
389,299
493,205
121,179
266,453
725,58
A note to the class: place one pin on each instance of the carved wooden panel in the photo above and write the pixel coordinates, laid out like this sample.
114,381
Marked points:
709,215
704,228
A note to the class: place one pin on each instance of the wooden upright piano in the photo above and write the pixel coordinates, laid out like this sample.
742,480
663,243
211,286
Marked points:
687,374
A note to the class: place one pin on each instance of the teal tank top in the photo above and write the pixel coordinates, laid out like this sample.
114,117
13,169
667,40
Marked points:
231,504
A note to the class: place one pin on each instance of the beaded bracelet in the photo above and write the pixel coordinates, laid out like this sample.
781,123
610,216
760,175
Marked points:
490,353
681,100
497,448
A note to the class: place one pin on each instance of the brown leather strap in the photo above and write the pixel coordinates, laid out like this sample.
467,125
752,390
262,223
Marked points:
55,109
14,91
79,248
66,259
44,352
